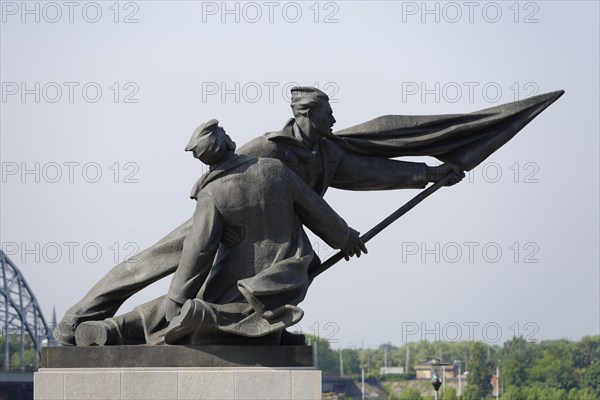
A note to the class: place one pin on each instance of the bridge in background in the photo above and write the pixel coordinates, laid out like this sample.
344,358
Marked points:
23,332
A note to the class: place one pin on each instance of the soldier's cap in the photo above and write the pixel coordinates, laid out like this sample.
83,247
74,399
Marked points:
305,96
201,131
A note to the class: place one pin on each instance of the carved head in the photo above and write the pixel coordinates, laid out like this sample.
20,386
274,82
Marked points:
312,110
209,143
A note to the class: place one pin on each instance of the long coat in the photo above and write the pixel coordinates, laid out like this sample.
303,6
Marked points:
253,287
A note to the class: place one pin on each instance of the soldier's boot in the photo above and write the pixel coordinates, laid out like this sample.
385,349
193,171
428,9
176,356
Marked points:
98,333
184,324
64,333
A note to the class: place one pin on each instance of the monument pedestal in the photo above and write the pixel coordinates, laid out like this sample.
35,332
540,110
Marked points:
67,373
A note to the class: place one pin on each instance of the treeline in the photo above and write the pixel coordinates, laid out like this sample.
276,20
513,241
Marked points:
548,370
14,350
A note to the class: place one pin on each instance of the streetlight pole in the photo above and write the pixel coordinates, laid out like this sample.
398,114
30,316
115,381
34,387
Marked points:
437,374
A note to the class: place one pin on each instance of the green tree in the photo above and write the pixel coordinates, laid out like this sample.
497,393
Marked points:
449,394
351,358
555,369
512,393
410,394
538,392
478,382
327,360
28,358
471,392
14,344
516,357
591,379
581,394
586,351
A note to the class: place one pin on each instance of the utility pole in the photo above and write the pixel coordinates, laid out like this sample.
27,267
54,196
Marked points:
362,373
497,382
341,363
443,378
385,355
315,347
459,381
407,361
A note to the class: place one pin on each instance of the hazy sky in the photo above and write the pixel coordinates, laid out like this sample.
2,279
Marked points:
99,101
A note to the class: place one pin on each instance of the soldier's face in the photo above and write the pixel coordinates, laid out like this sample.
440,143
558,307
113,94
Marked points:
321,119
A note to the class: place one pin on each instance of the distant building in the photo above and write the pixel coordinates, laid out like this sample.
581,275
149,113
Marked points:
423,371
391,370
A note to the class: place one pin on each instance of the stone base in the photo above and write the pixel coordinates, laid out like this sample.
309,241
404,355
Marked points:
177,372
166,356
177,383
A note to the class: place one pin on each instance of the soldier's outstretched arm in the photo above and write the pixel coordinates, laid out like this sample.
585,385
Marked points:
319,217
360,172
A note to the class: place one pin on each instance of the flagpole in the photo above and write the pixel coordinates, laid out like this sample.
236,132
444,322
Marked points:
382,225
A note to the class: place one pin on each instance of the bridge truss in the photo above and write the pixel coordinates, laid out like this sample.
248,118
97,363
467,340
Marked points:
20,316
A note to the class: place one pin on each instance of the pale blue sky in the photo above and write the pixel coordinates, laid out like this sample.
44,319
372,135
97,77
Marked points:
378,58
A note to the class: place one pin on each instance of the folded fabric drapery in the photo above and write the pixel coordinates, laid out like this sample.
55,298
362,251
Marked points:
463,139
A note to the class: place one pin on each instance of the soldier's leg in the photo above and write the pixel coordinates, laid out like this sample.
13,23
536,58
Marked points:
124,280
143,325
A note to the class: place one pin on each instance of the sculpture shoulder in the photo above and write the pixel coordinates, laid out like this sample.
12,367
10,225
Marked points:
267,162
273,168
262,147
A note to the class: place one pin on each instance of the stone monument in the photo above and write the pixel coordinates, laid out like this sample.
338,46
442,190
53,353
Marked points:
243,263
